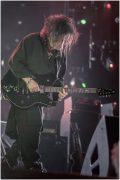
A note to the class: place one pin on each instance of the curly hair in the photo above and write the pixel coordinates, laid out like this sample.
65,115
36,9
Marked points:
61,25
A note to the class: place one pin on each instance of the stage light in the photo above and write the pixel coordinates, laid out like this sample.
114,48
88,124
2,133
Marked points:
72,82
117,19
70,73
114,104
84,7
107,6
2,62
84,85
16,40
111,65
19,22
82,21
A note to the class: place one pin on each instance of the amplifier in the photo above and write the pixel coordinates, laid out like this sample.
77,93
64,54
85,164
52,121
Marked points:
51,127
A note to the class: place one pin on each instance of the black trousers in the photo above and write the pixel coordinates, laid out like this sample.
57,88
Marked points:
24,125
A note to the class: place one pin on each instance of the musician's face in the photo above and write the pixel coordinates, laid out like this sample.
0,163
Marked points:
56,42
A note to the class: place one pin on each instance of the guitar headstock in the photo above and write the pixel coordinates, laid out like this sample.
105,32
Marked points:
105,92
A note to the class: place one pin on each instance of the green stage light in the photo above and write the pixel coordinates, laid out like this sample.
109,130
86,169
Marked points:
83,21
84,85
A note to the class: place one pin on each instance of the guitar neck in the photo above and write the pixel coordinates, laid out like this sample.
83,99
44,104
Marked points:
71,90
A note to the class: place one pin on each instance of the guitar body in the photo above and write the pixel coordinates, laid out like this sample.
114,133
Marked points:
17,93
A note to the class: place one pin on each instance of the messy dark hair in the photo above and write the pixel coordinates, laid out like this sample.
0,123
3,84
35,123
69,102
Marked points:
61,25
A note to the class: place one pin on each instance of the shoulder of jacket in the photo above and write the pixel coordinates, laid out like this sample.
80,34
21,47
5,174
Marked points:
32,36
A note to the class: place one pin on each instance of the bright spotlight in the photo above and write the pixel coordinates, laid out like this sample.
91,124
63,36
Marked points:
107,6
72,82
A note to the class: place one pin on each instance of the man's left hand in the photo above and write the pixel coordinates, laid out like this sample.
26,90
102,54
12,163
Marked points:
62,94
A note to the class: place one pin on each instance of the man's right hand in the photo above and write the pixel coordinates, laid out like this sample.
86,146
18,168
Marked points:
32,85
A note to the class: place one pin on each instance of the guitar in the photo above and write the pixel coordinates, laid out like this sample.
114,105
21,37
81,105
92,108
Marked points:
16,92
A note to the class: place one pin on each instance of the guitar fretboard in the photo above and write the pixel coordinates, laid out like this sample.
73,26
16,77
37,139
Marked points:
50,89
70,90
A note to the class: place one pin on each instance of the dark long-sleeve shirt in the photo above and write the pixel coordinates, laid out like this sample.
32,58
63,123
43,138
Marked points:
31,58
